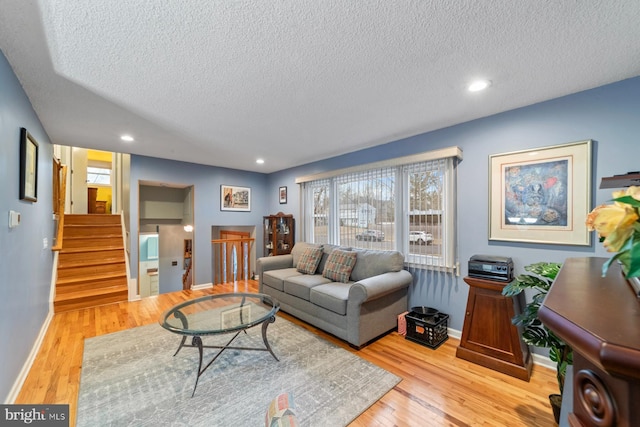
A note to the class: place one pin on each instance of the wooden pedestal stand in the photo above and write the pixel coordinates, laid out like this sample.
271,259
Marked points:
488,336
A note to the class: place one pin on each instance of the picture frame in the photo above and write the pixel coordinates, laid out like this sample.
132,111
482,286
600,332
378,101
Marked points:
282,192
541,195
234,198
28,166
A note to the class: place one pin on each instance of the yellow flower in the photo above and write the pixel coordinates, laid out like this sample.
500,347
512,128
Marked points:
634,192
618,226
615,223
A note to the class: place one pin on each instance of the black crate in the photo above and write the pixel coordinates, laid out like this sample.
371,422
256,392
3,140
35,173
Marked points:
430,331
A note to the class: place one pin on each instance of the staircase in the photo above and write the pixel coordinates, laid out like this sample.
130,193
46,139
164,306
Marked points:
91,263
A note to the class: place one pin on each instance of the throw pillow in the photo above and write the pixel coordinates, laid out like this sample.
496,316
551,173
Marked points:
280,412
339,265
308,262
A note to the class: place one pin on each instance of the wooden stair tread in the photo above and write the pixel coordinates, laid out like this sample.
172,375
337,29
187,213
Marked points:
91,249
90,263
93,277
94,237
88,293
108,224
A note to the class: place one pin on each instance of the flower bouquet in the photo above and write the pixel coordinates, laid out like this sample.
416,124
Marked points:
618,227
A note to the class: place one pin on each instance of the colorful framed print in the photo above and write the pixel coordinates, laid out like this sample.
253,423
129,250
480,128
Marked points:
541,195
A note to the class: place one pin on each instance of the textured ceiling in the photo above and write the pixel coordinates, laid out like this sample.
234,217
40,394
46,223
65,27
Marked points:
225,82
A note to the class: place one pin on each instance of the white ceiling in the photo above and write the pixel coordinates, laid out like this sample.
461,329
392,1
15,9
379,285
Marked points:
225,82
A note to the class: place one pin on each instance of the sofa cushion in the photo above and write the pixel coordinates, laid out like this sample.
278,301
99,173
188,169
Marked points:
308,262
300,286
298,250
326,251
332,296
372,263
339,265
275,278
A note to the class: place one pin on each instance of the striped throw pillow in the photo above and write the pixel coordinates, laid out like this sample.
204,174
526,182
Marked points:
309,260
339,265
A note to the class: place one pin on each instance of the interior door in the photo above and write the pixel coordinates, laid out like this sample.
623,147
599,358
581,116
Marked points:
170,258
79,195
234,262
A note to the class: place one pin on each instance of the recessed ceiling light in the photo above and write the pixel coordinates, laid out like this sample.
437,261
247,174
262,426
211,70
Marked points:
260,161
127,138
479,85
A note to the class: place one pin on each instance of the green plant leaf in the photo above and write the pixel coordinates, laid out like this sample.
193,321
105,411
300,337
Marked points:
607,263
545,269
628,200
533,331
633,269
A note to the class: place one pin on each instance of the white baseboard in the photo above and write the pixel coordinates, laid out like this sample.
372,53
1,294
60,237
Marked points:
201,286
22,376
541,360
133,289
454,333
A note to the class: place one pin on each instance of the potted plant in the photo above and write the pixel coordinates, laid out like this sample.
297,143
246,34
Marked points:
533,331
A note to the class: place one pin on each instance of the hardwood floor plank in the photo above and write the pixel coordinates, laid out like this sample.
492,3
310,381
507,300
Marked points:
437,389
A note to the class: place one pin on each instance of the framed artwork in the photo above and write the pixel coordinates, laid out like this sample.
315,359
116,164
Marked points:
235,198
28,167
541,195
283,195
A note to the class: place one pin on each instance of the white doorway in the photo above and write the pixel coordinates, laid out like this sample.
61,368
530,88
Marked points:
79,197
166,211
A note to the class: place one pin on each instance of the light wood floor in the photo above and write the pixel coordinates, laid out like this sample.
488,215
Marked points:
437,389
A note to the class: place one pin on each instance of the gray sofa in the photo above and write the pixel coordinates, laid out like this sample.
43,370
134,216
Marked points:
358,311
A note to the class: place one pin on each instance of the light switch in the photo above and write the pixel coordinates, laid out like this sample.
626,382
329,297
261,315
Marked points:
14,219
45,243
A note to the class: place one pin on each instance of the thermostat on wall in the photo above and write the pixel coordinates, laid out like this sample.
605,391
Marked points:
14,219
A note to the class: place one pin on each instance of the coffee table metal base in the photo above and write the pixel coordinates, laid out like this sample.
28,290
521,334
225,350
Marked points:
196,342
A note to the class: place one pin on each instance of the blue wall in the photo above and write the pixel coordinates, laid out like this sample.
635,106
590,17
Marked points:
206,181
609,115
25,267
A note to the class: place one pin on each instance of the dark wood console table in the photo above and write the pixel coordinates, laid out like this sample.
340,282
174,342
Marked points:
488,336
599,317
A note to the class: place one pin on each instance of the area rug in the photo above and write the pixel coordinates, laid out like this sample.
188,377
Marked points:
131,378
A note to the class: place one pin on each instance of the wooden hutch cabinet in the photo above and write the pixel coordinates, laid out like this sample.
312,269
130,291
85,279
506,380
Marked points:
279,234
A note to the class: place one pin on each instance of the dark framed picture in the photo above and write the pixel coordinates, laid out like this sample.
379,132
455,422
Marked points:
235,198
541,195
283,195
28,167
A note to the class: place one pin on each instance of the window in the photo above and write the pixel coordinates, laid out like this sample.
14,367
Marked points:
405,204
100,176
317,218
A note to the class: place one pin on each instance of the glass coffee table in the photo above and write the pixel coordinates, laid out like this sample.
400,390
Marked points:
220,314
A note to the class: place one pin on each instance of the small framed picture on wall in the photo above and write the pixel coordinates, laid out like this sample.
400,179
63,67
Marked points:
283,195
28,167
234,198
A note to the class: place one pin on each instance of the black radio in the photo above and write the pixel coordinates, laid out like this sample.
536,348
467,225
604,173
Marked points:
491,267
